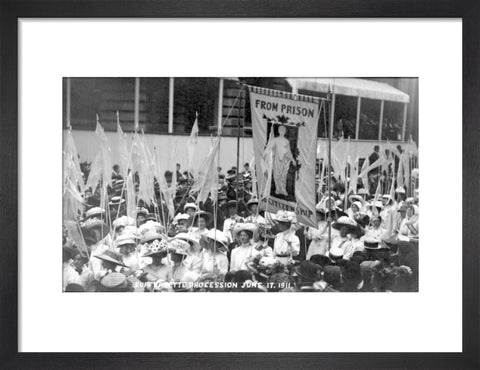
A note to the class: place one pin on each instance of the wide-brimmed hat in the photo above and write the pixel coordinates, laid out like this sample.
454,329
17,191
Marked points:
125,239
116,201
114,280
94,212
355,197
308,270
92,224
112,257
142,211
403,208
345,221
375,244
156,246
188,238
179,246
285,216
252,201
190,205
249,227
151,235
218,236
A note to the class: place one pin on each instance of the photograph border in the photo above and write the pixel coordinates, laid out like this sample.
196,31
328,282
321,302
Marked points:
11,11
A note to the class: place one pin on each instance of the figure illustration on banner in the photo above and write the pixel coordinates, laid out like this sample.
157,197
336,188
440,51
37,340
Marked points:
284,151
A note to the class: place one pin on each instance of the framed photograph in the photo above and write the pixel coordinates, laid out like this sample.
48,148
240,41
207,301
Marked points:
132,136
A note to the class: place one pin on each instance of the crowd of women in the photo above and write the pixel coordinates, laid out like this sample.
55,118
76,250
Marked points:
363,243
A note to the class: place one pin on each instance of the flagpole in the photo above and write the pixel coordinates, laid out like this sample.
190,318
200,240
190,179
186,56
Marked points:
238,161
329,179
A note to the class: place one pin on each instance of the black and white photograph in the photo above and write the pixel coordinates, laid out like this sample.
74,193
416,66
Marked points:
240,184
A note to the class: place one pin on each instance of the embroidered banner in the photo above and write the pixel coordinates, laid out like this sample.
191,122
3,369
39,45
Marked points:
285,144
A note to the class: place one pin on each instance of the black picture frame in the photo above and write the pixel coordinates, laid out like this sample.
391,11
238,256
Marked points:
10,11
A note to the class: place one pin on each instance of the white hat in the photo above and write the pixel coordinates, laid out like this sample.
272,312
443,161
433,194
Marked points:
125,239
243,226
190,205
336,252
115,201
187,237
124,221
344,220
217,235
179,246
150,225
95,211
285,216
354,197
400,190
181,216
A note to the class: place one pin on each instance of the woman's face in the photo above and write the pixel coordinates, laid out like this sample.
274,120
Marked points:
344,231
177,257
410,212
107,265
202,224
78,261
355,208
190,212
244,237
126,249
376,222
232,211
140,220
182,225
254,208
282,130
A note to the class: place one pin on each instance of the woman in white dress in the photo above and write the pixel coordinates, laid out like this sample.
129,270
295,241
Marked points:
245,252
214,259
409,226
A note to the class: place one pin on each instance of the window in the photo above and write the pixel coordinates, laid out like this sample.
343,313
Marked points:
155,105
369,119
323,121
392,126
345,116
102,96
191,96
